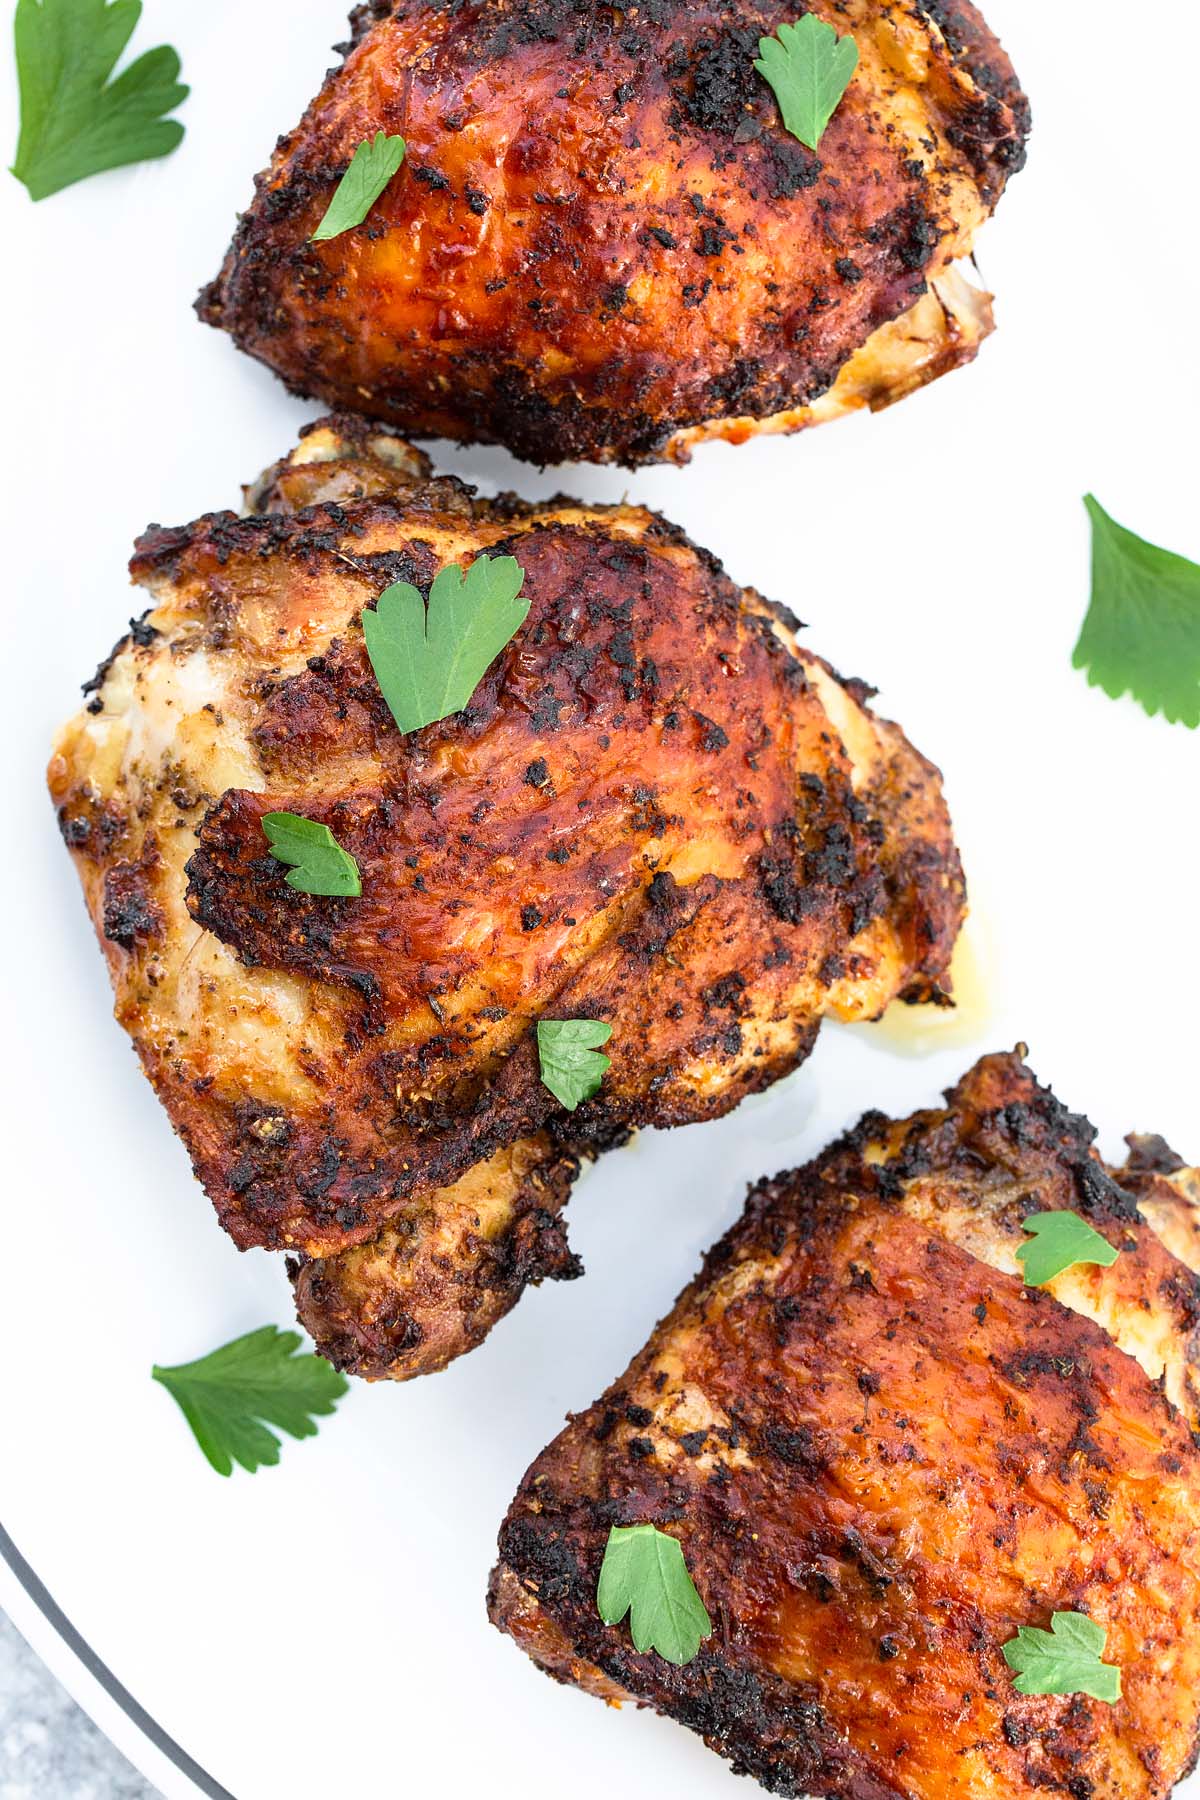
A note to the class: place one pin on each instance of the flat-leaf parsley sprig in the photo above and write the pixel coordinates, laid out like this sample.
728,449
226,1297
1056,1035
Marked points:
809,67
572,1064
371,168
428,661
227,1395
318,864
645,1575
1059,1241
1141,635
75,119
1064,1660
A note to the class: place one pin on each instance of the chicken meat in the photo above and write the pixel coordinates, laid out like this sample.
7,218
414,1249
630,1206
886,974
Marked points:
657,811
883,1453
603,244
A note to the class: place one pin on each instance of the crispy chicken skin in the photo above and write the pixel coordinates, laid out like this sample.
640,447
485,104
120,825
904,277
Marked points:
603,245
657,811
883,1453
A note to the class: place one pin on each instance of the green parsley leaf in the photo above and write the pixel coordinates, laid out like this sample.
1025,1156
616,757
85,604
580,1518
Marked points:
1142,631
810,67
644,1574
319,864
371,168
429,662
1061,1239
572,1066
1063,1660
75,120
226,1395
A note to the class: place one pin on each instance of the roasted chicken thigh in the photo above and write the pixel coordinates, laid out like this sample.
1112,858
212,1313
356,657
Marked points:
883,1453
603,244
657,811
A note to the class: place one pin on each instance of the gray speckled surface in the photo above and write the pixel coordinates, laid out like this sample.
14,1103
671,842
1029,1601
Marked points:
49,1750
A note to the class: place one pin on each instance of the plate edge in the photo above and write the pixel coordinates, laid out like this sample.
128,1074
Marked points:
93,1677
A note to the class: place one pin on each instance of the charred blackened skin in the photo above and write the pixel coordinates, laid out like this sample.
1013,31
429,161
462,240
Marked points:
515,284
614,828
905,1454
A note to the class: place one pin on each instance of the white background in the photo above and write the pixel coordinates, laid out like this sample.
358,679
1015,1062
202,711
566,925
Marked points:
318,1629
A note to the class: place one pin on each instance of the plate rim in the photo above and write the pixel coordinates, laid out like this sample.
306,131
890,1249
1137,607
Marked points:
108,1703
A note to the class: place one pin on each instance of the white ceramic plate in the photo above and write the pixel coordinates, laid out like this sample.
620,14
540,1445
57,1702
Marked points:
319,1629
